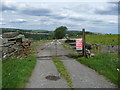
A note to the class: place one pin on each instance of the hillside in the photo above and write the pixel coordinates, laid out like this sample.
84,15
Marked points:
40,31
43,34
4,30
29,33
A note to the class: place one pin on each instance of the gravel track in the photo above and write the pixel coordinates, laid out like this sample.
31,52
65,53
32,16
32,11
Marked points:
82,76
43,68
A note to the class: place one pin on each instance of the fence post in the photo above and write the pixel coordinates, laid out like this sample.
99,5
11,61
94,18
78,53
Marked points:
84,42
56,47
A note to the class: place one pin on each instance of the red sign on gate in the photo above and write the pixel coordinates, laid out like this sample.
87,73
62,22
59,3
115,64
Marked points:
78,44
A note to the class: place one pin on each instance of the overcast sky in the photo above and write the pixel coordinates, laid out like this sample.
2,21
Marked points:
33,14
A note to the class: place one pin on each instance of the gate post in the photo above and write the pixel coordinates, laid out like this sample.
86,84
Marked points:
84,42
56,47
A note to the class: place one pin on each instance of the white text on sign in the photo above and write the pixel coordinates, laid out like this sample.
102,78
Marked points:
78,44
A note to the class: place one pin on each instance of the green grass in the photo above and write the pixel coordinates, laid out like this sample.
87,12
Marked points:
38,43
17,70
62,70
102,39
105,64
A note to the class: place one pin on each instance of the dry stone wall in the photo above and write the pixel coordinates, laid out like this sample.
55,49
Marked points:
100,48
110,49
10,43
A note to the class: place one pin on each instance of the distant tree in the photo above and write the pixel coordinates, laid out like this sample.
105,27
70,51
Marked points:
60,32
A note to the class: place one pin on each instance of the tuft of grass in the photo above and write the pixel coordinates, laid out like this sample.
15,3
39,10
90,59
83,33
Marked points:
104,64
62,70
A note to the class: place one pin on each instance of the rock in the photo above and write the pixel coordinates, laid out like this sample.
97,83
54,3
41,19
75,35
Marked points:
92,54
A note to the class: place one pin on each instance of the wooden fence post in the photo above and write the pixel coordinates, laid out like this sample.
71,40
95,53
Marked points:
56,47
84,42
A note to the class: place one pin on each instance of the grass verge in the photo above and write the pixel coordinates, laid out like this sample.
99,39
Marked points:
62,70
104,64
16,70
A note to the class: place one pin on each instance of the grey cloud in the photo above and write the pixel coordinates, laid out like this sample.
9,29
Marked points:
31,10
97,21
42,12
119,7
28,10
113,10
37,12
5,7
100,22
43,20
18,21
113,3
57,17
77,19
